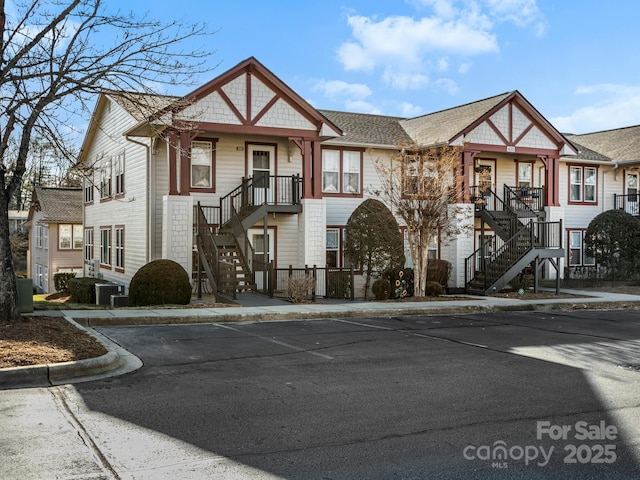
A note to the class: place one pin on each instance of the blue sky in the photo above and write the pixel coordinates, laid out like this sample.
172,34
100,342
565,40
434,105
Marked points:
577,62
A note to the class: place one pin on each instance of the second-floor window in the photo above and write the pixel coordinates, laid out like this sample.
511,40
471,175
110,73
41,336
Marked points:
105,179
118,167
341,171
42,237
583,182
70,236
201,164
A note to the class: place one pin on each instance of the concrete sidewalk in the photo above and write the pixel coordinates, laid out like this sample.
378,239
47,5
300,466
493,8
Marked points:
257,307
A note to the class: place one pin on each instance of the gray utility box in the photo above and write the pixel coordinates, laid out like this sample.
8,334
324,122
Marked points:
104,292
119,301
25,294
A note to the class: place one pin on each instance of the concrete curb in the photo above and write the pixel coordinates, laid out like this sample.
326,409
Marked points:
275,316
59,373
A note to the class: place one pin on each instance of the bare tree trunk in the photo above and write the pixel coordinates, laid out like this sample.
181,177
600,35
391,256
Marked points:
9,310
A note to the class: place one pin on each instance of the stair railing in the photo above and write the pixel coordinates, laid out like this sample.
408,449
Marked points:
207,250
528,200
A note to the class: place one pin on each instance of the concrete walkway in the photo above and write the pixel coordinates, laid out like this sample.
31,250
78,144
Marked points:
255,307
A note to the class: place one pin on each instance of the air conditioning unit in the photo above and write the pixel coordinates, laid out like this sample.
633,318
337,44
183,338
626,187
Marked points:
119,301
104,292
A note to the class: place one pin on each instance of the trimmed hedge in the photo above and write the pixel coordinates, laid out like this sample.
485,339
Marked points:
160,282
61,281
83,289
381,289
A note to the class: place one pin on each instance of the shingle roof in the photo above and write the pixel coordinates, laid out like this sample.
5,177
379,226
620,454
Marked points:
585,153
59,204
141,106
367,129
619,144
445,125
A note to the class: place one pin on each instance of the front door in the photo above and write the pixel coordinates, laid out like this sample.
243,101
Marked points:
261,162
631,203
485,180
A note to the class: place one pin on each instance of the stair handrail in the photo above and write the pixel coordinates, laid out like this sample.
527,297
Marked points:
209,249
243,247
511,197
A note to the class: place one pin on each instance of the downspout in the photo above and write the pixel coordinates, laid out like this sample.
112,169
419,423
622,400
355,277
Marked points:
147,195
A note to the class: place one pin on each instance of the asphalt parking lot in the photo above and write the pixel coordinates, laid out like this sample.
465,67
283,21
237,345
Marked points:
415,397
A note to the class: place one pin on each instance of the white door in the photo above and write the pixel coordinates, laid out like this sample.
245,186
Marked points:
485,181
262,163
257,240
631,203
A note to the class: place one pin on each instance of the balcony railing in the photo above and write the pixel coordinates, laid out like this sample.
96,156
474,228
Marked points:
630,203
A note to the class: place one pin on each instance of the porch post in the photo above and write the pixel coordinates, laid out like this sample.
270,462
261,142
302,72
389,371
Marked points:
172,145
307,172
317,170
185,177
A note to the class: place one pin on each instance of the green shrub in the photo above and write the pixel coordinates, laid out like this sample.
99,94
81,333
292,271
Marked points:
433,289
83,289
61,281
381,289
522,281
160,282
438,271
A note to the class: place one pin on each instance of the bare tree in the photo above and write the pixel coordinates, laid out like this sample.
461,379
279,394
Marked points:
422,187
55,55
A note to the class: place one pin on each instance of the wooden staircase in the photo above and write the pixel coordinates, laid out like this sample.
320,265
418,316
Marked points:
222,241
520,239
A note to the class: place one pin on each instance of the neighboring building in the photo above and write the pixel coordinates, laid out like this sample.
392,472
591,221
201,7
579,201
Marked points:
55,235
17,219
274,179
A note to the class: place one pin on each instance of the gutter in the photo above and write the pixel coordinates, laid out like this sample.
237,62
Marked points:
147,194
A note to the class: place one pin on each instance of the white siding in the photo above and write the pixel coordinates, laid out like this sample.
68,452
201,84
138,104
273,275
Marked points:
130,210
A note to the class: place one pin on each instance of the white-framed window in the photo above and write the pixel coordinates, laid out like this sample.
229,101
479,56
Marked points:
70,236
42,237
525,175
42,277
119,247
118,167
333,247
105,179
105,246
88,191
341,171
583,184
88,244
577,254
201,164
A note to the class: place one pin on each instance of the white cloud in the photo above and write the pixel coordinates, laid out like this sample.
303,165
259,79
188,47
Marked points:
616,106
405,81
362,107
410,110
518,12
337,88
448,85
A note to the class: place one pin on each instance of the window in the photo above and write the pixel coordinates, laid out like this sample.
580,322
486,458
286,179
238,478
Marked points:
333,247
105,246
119,248
419,174
201,164
582,184
105,179
577,255
88,191
525,175
42,278
88,244
341,171
119,173
70,237
42,237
